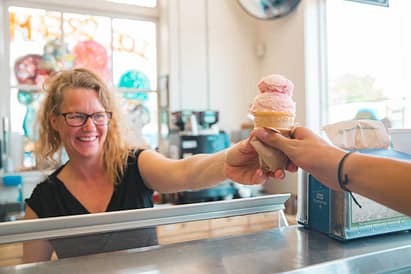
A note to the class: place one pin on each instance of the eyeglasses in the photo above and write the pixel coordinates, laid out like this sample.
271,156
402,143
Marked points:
78,119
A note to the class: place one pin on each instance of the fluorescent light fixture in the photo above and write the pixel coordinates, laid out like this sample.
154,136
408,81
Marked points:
142,3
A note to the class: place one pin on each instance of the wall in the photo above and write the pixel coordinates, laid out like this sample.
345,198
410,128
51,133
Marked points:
234,66
212,61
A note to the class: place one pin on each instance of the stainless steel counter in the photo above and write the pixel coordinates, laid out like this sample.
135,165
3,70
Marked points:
291,249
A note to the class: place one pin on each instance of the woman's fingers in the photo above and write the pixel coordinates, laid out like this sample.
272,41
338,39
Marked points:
259,177
292,167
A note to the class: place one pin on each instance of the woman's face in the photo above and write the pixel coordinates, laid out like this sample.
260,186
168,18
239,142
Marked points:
84,141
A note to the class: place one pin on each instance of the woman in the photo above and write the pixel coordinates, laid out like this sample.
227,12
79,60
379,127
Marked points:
384,180
103,173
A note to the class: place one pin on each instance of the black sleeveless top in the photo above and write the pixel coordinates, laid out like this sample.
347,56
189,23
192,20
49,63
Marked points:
51,198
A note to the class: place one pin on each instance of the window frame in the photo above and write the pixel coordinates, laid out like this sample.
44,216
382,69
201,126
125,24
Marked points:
315,60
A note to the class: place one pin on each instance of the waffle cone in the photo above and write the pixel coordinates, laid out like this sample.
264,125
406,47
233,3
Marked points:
272,159
278,120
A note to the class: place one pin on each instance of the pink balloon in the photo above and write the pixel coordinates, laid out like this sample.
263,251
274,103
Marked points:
92,55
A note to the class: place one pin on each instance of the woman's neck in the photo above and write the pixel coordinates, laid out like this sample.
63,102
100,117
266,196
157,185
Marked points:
85,170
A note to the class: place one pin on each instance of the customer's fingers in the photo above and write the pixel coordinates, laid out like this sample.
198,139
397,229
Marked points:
301,133
278,174
272,139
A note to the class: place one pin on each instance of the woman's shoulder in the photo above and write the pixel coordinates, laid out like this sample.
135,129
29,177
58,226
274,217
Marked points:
43,196
45,186
133,154
49,183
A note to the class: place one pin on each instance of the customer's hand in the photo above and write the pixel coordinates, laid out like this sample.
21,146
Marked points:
305,150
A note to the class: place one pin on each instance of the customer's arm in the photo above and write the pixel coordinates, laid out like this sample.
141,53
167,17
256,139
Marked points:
36,250
238,163
386,181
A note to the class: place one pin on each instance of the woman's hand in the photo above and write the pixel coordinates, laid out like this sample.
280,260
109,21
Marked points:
242,166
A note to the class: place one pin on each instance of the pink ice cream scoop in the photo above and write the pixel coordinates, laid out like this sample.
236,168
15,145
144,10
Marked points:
275,95
276,83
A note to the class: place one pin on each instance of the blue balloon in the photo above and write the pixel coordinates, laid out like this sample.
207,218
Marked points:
135,79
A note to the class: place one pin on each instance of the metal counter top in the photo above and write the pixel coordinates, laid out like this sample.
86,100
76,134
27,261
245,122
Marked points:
291,249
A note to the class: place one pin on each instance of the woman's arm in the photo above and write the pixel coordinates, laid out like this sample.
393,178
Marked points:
386,181
37,250
238,163
167,175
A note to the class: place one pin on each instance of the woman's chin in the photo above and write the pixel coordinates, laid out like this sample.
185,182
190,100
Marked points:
88,152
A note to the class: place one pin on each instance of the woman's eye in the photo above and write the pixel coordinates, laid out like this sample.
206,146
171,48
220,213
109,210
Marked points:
100,116
76,117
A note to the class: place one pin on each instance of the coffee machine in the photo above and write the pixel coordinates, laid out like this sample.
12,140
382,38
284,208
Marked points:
194,132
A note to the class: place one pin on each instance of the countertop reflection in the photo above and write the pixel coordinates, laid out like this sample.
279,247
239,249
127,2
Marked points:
277,250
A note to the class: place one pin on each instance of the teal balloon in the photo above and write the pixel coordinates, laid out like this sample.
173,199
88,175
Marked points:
26,97
135,79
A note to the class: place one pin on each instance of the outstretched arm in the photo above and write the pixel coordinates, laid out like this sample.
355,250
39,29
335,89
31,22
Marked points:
386,181
238,163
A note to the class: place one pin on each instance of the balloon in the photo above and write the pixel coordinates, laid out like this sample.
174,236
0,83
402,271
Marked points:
26,97
135,79
90,54
56,56
27,70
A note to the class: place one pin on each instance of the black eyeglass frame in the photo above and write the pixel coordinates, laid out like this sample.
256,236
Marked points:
109,116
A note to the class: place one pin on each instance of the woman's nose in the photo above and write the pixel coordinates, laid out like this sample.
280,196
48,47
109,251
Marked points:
89,124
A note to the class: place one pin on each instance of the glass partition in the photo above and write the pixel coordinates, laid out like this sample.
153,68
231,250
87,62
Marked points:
79,235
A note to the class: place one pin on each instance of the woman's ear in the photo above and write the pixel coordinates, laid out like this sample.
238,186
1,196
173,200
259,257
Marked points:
53,121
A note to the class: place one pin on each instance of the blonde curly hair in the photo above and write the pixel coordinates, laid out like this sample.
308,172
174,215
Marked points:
115,149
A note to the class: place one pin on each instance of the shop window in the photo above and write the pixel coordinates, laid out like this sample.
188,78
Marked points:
369,62
122,51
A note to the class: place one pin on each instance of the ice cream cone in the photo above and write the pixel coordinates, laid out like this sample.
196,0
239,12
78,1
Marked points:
272,159
274,119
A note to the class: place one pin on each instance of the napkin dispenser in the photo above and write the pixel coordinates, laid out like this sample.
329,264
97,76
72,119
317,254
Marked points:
334,213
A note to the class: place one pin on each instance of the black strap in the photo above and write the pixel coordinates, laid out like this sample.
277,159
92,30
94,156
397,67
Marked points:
343,180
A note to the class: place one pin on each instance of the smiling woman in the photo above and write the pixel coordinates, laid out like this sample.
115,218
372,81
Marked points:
82,91
104,173
72,97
